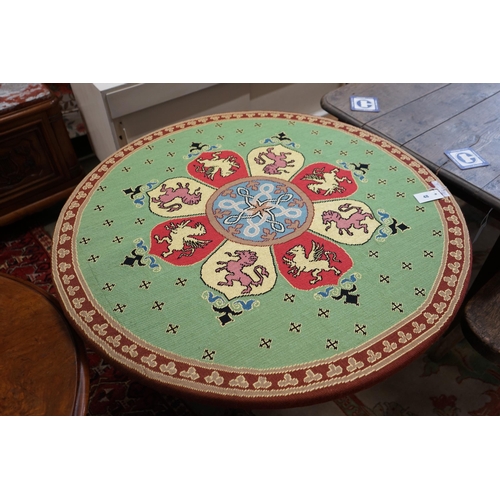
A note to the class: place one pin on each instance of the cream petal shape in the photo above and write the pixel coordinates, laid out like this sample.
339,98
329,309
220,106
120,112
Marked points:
345,221
237,270
275,160
179,197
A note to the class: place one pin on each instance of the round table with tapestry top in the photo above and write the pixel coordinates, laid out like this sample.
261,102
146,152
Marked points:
262,259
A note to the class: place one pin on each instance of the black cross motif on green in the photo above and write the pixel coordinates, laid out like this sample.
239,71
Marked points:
360,329
208,355
265,343
295,327
323,313
108,287
332,344
397,307
120,308
172,329
158,305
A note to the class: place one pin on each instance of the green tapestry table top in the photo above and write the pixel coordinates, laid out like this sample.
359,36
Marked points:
266,259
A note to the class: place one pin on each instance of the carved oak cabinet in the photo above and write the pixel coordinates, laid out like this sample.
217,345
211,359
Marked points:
38,164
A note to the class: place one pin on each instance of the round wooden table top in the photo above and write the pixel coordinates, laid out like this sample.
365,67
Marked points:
260,259
43,367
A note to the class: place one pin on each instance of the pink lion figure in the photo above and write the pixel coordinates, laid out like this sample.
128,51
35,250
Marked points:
279,161
171,194
354,221
234,270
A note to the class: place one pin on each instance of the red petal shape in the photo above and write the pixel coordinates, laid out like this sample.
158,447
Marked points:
311,261
184,241
217,168
324,181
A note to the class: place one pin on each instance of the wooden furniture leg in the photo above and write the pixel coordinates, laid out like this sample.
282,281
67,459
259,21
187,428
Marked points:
479,319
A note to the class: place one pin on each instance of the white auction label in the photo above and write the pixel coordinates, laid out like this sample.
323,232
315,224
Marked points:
433,194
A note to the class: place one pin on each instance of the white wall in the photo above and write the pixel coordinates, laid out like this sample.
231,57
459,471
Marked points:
116,114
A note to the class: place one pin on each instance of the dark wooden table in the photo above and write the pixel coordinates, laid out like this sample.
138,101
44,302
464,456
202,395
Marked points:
43,368
427,119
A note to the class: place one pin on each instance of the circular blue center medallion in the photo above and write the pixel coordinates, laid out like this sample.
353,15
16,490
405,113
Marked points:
260,211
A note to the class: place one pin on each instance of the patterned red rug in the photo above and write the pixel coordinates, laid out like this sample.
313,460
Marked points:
25,253
460,383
